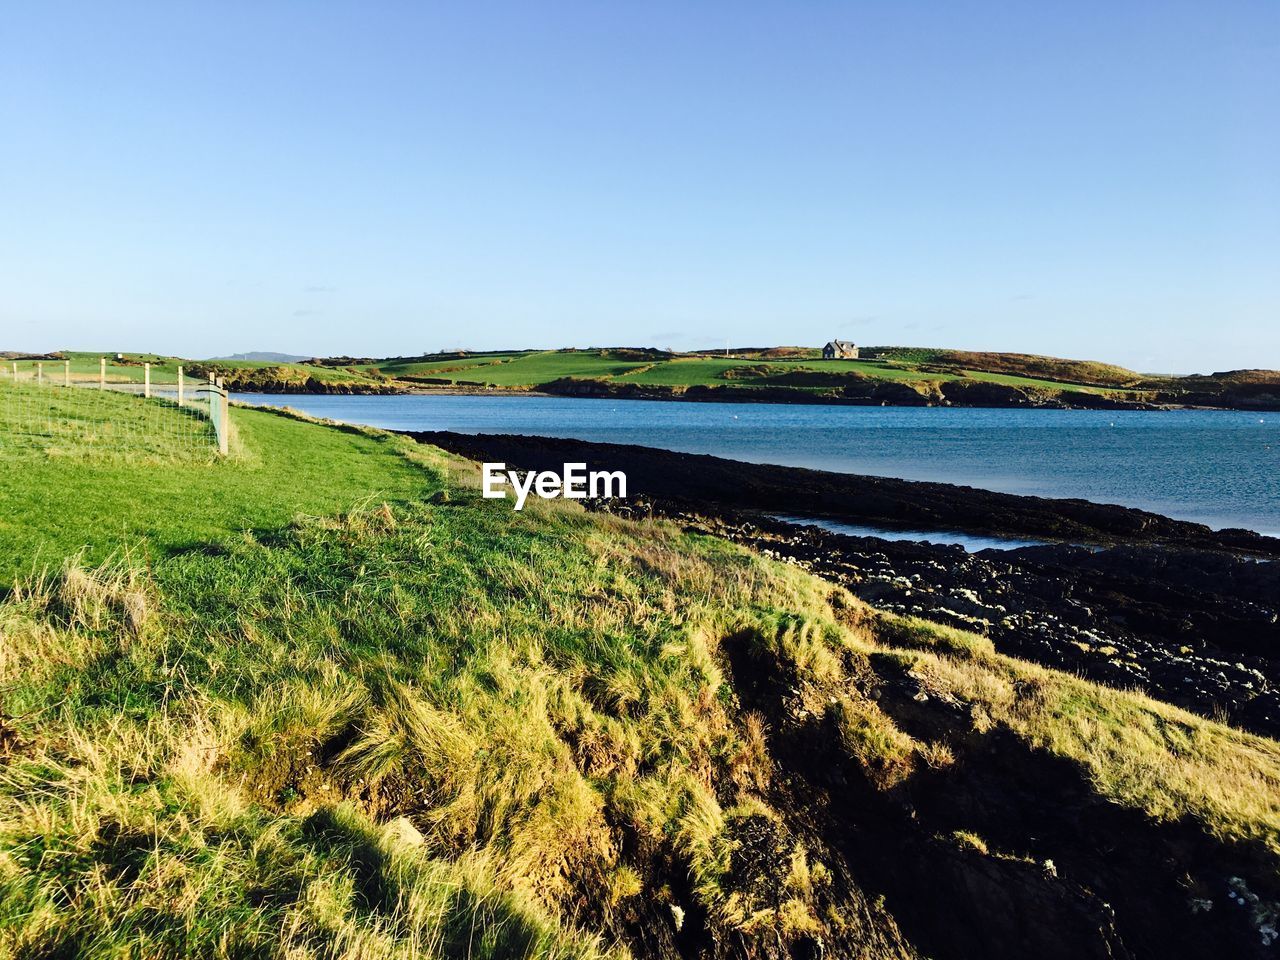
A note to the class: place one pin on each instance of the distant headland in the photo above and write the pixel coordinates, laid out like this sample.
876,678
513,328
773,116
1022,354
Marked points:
838,372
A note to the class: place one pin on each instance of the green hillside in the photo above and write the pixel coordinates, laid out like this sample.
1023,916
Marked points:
883,375
1054,369
321,699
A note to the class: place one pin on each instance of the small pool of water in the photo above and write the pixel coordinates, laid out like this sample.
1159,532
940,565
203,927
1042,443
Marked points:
971,542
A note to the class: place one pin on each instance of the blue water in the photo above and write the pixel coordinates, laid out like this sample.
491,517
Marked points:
1217,467
971,542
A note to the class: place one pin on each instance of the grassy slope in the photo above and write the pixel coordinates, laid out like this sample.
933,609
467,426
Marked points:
102,500
432,726
441,367
85,366
1054,369
913,366
532,369
164,369
525,369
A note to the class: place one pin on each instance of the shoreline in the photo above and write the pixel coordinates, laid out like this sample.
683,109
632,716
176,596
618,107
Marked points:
1187,614
700,394
735,396
693,479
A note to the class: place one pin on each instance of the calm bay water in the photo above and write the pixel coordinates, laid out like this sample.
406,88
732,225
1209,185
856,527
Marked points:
1217,467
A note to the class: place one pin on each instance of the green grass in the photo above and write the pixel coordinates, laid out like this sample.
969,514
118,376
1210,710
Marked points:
42,424
1053,370
80,493
528,369
164,370
327,701
85,366
442,367
535,368
708,371
682,372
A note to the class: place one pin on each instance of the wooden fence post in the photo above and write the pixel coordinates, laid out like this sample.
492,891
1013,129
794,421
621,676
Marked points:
39,373
146,380
102,373
179,386
66,373
15,371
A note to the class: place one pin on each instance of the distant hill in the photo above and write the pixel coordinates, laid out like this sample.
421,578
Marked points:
892,376
1087,372
263,356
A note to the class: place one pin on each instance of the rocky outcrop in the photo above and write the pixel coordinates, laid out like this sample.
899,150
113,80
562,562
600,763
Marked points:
982,393
1197,629
287,380
854,390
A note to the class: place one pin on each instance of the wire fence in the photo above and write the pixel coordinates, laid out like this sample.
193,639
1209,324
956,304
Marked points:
44,409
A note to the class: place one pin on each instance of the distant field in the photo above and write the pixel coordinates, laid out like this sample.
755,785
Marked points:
84,366
774,373
682,372
530,369
1047,369
442,368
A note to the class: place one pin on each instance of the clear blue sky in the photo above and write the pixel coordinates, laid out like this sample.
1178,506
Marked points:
1083,179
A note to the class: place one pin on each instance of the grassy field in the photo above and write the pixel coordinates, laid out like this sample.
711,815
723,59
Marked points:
164,370
1053,369
930,375
529,369
99,491
322,700
441,367
85,366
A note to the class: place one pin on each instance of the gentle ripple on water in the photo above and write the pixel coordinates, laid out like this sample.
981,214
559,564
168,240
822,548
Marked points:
1217,467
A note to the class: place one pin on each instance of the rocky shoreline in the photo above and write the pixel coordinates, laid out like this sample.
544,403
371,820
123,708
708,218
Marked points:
1197,629
1182,612
857,393
861,392
697,482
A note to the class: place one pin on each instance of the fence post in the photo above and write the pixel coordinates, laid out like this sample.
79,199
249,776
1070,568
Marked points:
102,373
217,413
15,371
179,386
39,373
146,380
66,373
226,418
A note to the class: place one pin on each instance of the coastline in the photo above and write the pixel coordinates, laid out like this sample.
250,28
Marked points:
692,481
1124,597
589,390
